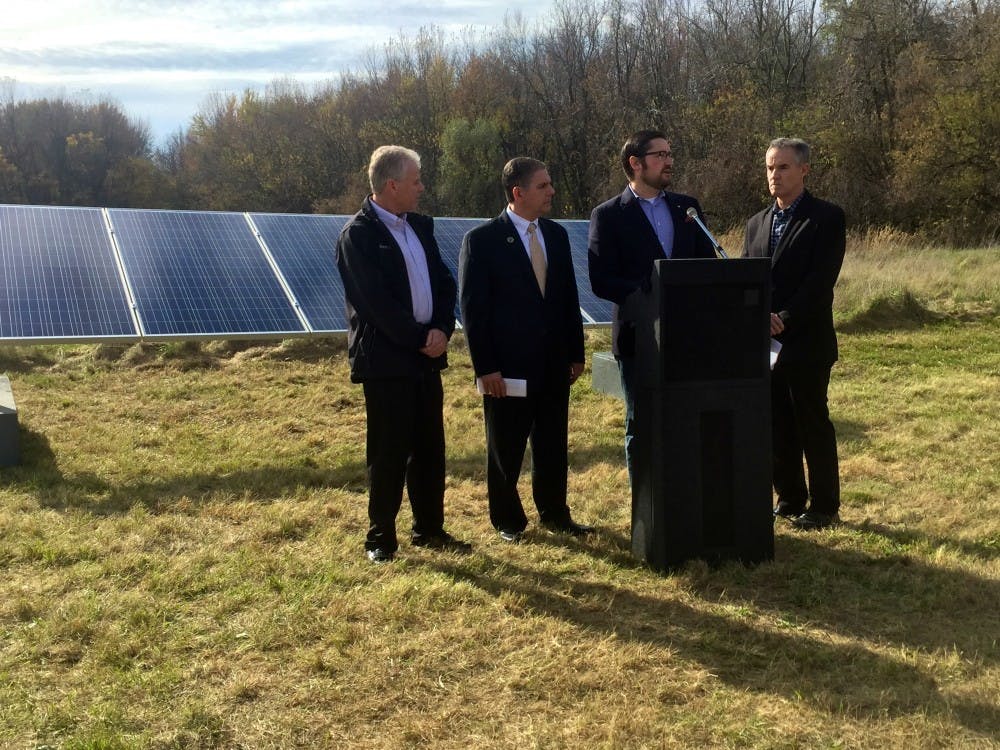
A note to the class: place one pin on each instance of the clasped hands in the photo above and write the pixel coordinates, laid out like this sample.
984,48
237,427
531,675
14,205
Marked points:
777,324
436,344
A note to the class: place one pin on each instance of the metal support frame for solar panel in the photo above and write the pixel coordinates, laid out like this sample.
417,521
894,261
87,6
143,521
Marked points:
65,255
217,284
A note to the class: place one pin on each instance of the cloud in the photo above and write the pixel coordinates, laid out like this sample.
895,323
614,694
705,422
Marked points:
161,59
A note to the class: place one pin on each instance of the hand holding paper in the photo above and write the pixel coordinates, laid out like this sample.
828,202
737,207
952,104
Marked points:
512,387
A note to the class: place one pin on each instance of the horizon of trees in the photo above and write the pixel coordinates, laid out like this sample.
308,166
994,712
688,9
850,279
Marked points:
899,98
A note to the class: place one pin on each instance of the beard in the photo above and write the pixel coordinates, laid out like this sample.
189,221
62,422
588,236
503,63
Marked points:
656,180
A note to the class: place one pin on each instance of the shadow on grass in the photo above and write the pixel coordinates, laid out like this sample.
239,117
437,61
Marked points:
37,462
850,432
896,310
38,474
470,463
22,359
889,598
842,679
988,549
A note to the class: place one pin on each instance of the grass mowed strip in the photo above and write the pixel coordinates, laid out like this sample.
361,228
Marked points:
181,562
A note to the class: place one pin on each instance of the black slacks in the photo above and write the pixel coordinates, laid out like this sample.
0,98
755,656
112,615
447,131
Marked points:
801,426
511,422
405,444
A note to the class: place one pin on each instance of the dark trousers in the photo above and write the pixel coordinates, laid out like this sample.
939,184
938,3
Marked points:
801,426
405,444
511,422
626,370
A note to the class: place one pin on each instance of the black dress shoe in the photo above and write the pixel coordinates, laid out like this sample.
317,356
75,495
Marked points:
442,541
570,527
787,510
811,520
513,537
379,555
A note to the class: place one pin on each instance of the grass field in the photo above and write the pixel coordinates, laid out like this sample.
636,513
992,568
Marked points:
181,560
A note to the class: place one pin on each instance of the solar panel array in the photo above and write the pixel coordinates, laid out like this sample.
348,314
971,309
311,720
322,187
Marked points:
89,274
200,274
302,247
58,276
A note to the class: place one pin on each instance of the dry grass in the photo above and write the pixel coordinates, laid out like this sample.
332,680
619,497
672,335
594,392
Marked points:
182,568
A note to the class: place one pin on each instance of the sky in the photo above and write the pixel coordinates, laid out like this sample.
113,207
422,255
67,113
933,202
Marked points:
162,60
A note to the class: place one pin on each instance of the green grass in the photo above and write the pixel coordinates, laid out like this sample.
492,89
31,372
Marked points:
181,561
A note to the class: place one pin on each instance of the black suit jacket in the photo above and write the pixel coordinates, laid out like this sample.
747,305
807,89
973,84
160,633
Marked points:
804,269
622,246
510,327
384,339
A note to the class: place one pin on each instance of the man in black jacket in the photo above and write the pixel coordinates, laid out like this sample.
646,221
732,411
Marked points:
627,234
401,312
522,321
805,239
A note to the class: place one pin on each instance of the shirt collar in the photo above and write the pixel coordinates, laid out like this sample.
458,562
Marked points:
519,222
783,212
388,218
648,200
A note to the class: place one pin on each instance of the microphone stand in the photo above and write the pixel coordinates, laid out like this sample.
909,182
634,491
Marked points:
692,213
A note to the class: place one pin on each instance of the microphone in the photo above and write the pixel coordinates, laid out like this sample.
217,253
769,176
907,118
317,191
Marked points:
692,213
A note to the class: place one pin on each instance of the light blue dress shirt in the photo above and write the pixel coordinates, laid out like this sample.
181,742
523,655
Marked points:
415,258
658,213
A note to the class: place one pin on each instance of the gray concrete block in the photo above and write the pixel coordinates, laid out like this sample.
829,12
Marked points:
10,441
604,374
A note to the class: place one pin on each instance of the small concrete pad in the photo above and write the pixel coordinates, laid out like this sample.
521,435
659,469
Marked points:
604,375
10,443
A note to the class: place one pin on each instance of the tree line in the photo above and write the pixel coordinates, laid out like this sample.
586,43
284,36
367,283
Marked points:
900,99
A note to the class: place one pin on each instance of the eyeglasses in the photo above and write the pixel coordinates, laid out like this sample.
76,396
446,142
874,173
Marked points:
658,154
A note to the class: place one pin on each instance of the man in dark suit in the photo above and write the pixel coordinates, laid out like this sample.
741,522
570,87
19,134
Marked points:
522,321
400,308
805,239
630,231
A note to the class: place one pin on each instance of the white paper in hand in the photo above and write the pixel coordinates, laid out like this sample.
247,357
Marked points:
775,351
516,387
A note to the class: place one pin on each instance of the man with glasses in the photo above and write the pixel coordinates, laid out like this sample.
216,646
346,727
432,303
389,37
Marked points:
630,231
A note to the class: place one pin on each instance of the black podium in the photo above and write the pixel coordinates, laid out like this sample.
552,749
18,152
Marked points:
702,468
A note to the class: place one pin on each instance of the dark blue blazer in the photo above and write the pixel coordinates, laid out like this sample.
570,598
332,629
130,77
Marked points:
384,339
509,326
622,246
804,269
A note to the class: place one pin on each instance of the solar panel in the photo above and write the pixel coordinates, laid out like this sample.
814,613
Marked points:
200,274
303,248
449,233
190,274
59,279
597,309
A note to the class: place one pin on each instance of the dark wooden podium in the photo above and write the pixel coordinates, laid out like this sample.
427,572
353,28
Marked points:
702,471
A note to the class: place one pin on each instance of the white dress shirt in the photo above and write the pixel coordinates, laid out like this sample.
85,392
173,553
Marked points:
416,262
521,225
